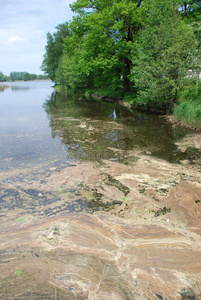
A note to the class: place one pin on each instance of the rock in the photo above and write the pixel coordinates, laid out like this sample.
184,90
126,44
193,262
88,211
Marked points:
120,251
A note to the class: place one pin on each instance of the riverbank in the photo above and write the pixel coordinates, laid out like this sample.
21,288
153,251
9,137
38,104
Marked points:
173,119
182,119
194,122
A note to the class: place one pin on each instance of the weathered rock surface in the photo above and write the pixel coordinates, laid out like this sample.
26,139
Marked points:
93,257
102,231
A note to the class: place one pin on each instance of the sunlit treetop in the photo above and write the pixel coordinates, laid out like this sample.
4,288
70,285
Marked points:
88,6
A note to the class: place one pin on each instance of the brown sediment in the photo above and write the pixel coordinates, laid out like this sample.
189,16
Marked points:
146,245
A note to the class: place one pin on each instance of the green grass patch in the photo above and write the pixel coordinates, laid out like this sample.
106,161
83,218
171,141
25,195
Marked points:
21,220
17,272
188,110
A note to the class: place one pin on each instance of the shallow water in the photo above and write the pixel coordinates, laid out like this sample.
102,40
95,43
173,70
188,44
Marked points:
39,125
93,130
42,132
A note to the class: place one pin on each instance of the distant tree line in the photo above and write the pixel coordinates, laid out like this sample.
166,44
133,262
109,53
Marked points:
21,76
138,50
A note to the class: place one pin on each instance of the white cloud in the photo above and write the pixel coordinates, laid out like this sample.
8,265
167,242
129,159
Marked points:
23,28
15,38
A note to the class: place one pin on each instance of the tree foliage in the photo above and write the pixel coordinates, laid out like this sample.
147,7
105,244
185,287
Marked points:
54,50
190,8
21,76
166,52
191,13
3,77
104,33
127,46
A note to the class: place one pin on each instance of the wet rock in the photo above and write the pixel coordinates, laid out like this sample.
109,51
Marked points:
141,240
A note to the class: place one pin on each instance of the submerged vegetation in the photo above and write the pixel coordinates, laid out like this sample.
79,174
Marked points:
139,51
3,87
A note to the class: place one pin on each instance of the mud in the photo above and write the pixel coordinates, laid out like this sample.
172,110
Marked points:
104,230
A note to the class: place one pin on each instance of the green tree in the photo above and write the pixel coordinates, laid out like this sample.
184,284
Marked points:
166,52
3,77
191,13
12,76
75,75
42,77
54,50
104,33
190,8
33,76
26,76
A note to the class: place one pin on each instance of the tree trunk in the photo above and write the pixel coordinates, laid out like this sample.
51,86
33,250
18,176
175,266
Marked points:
198,78
173,103
126,81
126,84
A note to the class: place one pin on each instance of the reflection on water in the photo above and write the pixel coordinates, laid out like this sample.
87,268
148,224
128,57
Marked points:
20,88
3,87
78,129
25,136
95,130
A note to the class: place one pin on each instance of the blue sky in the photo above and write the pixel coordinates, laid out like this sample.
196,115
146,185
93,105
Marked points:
23,28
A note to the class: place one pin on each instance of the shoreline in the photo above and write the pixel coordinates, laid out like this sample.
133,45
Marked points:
170,118
183,124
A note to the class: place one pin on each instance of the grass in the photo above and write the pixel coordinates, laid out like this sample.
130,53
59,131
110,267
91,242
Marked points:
188,110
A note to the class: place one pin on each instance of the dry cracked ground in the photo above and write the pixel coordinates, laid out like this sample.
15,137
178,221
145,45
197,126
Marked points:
106,230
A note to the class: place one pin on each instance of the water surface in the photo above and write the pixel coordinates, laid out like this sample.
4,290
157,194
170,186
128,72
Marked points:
25,135
39,125
93,130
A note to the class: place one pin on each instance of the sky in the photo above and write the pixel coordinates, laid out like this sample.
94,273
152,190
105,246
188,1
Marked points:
23,28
